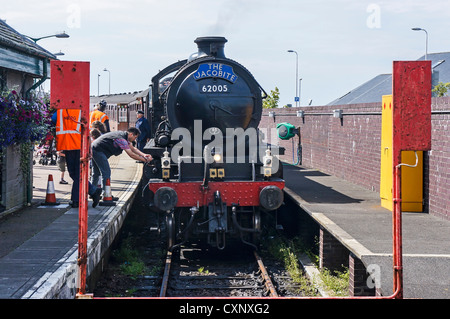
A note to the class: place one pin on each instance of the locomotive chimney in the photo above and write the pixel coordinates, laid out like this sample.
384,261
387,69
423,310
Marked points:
211,46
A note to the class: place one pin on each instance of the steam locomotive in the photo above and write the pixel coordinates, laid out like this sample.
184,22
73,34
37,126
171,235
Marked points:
212,176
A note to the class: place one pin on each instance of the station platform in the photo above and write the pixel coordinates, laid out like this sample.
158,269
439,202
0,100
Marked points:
38,248
39,244
355,217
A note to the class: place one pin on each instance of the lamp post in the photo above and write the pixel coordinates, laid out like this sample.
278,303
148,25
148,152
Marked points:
57,35
296,78
299,91
426,40
98,84
109,80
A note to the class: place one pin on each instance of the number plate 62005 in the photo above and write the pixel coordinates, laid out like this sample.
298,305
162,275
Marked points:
214,88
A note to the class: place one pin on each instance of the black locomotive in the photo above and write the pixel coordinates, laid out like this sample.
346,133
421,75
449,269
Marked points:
212,176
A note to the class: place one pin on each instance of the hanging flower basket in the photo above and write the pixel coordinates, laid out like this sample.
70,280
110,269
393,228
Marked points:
22,120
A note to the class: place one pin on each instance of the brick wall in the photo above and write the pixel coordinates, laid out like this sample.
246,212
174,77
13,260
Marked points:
14,187
437,161
349,148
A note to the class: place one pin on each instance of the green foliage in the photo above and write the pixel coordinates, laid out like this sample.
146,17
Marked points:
134,268
287,251
337,282
131,263
272,99
441,89
25,158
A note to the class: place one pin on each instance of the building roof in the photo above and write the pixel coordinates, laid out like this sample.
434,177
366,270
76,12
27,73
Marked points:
372,90
10,38
121,98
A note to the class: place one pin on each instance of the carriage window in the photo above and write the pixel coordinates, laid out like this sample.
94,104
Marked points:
123,114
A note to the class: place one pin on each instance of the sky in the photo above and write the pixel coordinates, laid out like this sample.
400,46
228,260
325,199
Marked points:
340,44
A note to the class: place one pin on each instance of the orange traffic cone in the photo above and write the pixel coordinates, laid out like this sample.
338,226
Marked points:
50,198
107,196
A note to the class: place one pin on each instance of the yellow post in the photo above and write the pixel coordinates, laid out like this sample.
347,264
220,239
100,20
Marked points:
411,178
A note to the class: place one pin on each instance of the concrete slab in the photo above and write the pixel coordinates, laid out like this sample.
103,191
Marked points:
38,259
354,216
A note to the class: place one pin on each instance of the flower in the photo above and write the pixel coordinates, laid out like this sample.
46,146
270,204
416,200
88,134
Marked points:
22,120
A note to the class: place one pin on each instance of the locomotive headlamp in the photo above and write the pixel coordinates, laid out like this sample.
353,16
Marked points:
216,153
165,165
165,161
267,161
217,157
286,131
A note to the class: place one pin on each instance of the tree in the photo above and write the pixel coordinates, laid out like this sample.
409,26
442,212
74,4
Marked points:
441,89
271,101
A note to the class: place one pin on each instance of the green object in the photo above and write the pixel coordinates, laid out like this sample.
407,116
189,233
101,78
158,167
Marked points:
286,131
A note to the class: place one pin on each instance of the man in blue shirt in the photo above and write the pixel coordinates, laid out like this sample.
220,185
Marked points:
143,126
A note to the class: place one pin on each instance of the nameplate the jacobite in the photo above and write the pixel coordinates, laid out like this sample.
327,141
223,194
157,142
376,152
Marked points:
215,70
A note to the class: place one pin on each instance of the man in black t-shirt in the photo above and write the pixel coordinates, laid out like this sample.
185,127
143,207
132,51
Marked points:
114,143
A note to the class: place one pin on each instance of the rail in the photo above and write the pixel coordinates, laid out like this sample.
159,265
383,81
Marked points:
266,277
264,274
165,278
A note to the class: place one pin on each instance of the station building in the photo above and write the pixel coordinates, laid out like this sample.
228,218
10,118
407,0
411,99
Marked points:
24,66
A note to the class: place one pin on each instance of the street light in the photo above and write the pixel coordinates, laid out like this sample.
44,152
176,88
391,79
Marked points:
426,40
109,79
58,35
299,91
98,84
296,78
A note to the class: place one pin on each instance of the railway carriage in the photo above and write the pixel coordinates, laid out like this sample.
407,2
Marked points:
121,108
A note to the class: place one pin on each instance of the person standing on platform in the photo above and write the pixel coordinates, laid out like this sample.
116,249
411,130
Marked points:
143,126
99,115
68,139
114,143
61,161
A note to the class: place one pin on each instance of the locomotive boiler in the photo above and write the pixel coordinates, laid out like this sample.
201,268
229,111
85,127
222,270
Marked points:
212,177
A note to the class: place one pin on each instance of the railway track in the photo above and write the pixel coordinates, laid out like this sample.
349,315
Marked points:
194,273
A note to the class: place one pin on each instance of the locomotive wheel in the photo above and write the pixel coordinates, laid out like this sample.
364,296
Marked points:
170,228
256,237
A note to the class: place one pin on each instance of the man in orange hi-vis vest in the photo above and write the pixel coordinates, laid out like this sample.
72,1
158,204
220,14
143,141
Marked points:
68,139
99,115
